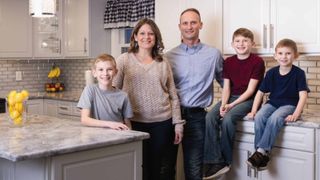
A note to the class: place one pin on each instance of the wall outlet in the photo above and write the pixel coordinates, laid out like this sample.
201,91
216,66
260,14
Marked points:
18,75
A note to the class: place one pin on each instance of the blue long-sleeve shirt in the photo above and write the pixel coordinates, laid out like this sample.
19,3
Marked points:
194,69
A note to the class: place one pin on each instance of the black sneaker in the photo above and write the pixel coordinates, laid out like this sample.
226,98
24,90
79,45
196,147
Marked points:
258,161
215,170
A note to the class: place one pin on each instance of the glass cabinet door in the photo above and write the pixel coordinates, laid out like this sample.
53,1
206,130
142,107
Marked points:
47,35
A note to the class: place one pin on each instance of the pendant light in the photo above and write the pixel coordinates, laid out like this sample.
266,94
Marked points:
42,8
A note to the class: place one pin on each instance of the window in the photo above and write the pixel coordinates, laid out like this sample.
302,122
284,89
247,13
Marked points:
120,41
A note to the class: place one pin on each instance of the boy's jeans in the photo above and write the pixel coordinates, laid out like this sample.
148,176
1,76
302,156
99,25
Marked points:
268,122
220,133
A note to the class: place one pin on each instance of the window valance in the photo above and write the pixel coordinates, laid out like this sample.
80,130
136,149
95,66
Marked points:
126,13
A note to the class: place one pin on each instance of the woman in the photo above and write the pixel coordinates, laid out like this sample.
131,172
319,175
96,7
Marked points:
147,77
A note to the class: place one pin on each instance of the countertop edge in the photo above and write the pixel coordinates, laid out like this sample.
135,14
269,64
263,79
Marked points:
74,149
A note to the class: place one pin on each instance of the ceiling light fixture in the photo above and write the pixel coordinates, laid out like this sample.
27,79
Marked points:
42,8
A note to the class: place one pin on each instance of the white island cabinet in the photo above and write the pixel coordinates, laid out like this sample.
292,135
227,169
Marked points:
293,156
49,148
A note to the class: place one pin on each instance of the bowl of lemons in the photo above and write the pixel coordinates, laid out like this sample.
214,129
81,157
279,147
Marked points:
16,106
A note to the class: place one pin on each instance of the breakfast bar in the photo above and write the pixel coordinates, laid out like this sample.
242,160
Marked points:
50,148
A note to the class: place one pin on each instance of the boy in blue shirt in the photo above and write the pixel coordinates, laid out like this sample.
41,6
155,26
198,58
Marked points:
101,104
288,90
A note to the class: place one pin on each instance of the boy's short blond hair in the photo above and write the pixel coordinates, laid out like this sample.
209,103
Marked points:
104,58
289,44
243,32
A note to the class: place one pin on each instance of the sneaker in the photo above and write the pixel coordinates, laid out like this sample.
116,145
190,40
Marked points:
258,161
215,170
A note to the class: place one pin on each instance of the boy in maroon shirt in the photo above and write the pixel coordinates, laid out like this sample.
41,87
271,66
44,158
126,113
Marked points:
242,74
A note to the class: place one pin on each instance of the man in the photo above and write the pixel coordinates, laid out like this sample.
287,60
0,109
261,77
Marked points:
195,66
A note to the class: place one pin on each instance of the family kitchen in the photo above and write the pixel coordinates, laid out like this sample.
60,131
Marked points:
50,57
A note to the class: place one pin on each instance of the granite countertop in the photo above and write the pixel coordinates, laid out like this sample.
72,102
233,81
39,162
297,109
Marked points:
43,136
65,95
309,119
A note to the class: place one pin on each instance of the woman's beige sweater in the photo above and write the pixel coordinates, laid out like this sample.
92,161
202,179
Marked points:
150,87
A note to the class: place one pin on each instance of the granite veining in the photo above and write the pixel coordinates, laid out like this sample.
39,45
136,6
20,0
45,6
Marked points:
43,136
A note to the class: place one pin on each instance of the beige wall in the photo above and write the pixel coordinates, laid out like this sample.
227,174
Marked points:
311,65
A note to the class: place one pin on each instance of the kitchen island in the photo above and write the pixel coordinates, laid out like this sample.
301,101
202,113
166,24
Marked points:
295,154
50,148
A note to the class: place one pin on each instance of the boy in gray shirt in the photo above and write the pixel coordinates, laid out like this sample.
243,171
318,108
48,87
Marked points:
101,104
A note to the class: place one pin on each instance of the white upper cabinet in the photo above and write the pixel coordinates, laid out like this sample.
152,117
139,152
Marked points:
167,16
84,34
297,20
273,20
76,31
76,27
15,29
47,34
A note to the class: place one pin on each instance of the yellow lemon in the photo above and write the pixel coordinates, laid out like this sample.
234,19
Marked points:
25,94
19,98
17,121
12,94
14,114
11,101
11,108
19,107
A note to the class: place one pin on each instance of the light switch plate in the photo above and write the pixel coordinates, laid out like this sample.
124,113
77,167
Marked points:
18,75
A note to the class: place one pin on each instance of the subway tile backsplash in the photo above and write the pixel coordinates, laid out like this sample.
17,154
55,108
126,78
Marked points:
34,75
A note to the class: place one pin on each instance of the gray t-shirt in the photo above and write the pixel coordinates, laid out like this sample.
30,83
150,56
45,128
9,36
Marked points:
108,105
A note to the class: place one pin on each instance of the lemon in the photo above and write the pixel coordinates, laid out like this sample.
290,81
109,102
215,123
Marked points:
19,98
14,114
25,94
19,107
12,94
11,101
17,121
11,108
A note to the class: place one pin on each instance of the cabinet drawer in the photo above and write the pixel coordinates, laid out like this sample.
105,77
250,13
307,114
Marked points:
298,138
68,110
76,111
64,109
